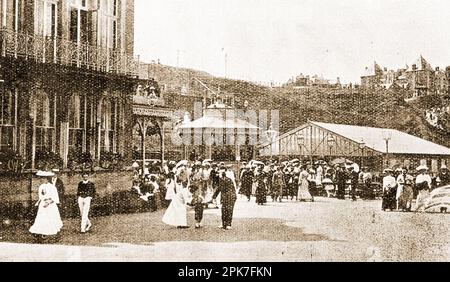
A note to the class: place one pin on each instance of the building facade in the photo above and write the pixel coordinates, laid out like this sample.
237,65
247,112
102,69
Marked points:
419,79
302,81
69,79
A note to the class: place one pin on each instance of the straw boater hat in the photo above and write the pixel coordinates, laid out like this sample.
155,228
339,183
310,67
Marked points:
45,173
422,167
327,181
387,170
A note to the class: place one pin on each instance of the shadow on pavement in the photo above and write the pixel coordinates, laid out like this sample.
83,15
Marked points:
147,228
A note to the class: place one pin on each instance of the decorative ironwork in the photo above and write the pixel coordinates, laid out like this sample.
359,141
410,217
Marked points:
56,50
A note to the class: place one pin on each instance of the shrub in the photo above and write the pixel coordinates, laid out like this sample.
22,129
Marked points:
46,160
111,161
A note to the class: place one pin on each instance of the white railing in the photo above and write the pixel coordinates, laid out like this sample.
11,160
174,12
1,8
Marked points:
64,52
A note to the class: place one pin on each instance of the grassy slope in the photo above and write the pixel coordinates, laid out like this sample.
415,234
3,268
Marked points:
385,108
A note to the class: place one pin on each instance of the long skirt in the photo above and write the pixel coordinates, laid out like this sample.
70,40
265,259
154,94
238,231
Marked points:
422,200
261,195
176,214
303,192
293,189
277,191
389,199
246,189
48,220
406,198
170,192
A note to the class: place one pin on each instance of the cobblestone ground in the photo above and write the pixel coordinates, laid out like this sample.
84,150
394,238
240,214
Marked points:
326,230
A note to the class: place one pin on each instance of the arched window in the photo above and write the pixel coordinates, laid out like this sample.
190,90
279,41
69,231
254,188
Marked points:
77,114
7,118
109,125
42,109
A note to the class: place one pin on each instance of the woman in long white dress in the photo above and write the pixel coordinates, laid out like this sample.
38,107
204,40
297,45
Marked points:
48,220
176,213
303,189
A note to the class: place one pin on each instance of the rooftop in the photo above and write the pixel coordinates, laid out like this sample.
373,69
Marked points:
375,138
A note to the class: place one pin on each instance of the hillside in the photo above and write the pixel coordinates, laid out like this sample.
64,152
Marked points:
382,108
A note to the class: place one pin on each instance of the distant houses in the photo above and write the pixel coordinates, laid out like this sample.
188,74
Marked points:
419,79
306,81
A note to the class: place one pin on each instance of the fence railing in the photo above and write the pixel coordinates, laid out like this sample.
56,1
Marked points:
65,52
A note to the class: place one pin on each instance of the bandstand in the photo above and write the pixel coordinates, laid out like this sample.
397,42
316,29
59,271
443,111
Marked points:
221,134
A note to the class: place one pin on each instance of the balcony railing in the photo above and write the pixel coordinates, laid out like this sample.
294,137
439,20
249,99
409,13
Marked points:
64,52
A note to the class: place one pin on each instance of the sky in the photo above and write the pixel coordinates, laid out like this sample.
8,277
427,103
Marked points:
274,40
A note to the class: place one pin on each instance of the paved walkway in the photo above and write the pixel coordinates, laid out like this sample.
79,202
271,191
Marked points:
326,230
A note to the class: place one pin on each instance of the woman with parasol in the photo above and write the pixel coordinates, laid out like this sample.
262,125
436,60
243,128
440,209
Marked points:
48,220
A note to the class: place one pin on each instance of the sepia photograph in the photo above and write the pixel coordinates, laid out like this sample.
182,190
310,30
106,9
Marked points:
231,131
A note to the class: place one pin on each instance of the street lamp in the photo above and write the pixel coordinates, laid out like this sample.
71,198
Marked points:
331,142
362,146
387,136
135,167
271,135
301,143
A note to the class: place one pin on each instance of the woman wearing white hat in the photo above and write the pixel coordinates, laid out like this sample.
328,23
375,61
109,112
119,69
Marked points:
423,184
48,220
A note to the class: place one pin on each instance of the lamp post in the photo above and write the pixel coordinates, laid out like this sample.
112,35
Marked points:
271,135
135,167
331,141
300,143
387,136
362,146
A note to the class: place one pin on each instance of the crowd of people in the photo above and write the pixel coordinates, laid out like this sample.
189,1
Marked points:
436,117
400,188
206,184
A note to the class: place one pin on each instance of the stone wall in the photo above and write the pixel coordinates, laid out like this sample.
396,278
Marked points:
113,195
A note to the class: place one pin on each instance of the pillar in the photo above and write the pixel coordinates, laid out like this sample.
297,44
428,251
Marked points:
162,139
64,142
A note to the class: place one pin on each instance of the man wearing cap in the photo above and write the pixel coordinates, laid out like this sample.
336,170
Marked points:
61,190
228,199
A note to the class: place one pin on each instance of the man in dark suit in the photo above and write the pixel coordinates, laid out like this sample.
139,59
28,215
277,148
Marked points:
341,179
228,199
354,177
